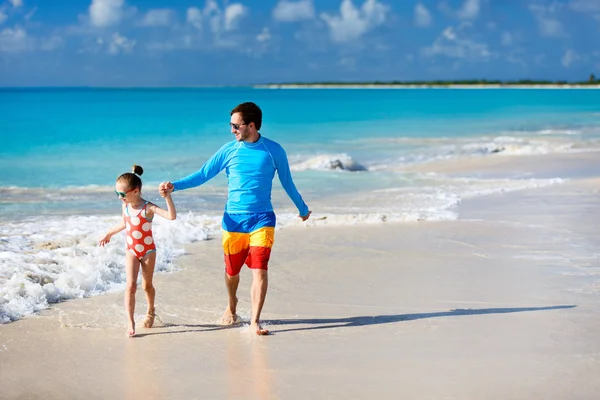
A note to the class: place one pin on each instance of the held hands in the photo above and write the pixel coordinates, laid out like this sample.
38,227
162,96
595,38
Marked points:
305,217
165,188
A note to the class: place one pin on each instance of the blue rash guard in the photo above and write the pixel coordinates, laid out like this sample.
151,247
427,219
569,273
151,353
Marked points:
250,171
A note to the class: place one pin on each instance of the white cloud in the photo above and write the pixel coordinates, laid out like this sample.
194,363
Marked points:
120,44
233,14
422,15
585,6
506,39
51,43
287,11
469,10
194,17
214,15
217,19
352,23
13,40
454,43
264,35
548,25
211,26
185,42
30,14
106,12
569,58
157,17
16,3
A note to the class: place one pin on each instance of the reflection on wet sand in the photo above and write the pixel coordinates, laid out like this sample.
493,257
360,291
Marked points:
248,372
142,379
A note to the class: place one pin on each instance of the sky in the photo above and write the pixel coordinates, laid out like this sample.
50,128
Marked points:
245,42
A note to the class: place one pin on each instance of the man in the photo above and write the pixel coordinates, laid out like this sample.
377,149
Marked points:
250,162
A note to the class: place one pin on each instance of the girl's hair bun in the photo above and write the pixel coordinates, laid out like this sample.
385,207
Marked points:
137,170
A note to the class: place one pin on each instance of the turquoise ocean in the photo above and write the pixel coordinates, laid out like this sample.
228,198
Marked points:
349,150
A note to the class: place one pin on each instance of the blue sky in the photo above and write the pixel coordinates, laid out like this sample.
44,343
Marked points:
212,42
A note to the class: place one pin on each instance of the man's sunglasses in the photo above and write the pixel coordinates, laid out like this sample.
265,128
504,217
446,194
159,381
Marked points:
123,194
236,126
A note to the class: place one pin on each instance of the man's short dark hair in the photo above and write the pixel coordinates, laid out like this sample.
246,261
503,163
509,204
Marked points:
250,113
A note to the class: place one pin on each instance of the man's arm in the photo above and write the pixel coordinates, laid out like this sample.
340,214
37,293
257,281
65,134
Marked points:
285,177
209,170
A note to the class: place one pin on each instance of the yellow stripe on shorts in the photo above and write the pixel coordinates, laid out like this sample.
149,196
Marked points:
235,242
263,237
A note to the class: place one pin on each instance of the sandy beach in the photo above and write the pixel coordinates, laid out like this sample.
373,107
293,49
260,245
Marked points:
500,304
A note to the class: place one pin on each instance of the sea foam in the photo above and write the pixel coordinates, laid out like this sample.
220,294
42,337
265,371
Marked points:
46,260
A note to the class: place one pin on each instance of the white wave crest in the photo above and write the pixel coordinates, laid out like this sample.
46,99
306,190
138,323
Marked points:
558,132
328,162
513,146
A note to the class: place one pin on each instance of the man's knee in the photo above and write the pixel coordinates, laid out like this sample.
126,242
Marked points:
259,274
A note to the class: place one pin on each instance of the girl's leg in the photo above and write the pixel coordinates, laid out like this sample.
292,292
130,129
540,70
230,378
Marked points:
132,268
148,263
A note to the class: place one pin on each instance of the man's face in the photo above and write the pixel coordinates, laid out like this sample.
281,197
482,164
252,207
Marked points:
238,128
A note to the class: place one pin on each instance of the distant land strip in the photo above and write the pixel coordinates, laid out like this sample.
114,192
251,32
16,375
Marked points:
524,83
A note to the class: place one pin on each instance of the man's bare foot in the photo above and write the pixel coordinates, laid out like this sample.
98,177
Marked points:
149,321
131,329
260,331
229,316
230,319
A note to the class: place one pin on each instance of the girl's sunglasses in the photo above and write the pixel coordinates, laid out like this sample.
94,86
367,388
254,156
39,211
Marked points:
123,194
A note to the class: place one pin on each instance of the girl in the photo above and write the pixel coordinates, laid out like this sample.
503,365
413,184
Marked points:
141,251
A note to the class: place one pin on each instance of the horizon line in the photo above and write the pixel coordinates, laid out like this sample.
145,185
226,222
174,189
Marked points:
375,83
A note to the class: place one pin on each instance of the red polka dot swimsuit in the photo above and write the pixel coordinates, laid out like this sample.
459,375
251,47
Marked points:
139,233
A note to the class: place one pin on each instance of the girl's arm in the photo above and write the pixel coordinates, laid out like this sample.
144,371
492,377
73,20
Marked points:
170,213
111,233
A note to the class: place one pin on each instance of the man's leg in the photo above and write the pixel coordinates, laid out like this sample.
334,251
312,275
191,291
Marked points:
261,242
231,282
260,283
235,249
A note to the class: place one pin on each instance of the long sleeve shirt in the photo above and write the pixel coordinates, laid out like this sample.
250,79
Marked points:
250,169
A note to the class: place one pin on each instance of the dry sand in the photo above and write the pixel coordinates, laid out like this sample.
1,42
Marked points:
501,304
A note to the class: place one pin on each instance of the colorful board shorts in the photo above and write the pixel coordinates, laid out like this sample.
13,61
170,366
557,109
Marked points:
247,238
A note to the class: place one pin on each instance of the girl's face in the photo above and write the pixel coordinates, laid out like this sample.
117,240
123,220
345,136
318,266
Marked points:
126,194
